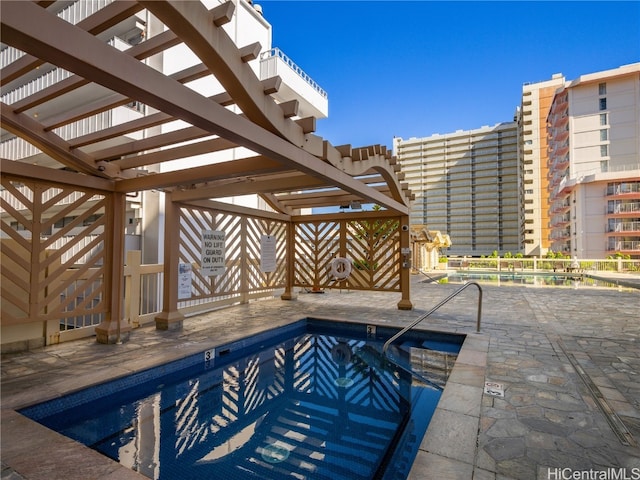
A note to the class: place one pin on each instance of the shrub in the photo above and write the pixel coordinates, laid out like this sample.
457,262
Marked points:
363,264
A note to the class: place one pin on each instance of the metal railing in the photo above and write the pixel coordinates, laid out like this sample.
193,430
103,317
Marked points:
433,280
538,264
446,300
277,53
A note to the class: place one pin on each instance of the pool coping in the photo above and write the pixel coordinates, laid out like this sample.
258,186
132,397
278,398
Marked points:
449,444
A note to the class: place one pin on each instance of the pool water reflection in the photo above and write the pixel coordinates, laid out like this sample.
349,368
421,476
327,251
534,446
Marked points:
314,400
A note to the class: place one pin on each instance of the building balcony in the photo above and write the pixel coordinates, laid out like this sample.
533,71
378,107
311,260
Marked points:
561,163
624,196
627,190
564,188
560,221
630,247
560,235
296,84
561,149
624,209
561,246
562,133
561,120
560,104
624,228
555,178
561,206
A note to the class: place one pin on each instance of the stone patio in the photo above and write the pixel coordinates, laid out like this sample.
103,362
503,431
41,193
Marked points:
568,360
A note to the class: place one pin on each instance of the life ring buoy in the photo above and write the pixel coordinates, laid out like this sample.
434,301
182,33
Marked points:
340,268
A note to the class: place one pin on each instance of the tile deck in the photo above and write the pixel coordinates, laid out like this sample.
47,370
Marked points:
568,359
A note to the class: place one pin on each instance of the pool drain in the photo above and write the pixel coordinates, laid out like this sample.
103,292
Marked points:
275,453
343,382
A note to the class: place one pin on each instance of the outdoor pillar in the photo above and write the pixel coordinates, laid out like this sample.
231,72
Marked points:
405,265
114,328
290,265
244,256
170,318
132,282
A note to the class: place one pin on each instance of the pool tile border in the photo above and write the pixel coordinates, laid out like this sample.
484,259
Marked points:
449,447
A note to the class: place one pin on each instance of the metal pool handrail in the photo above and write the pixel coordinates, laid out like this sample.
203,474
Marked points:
422,317
426,275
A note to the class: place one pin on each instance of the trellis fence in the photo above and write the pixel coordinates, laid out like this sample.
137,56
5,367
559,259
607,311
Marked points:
56,260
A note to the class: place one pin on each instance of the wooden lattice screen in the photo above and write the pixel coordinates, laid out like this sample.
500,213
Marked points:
243,278
371,245
53,254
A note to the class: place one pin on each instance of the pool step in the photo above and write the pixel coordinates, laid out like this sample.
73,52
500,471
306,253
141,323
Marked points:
428,367
438,364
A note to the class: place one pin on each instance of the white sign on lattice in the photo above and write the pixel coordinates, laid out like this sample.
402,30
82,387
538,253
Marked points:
267,253
213,252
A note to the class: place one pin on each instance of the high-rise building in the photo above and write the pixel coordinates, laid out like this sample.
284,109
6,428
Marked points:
533,152
574,176
466,185
594,164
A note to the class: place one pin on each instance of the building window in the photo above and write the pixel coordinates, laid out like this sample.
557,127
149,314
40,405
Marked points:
603,119
604,150
604,166
603,103
602,89
604,135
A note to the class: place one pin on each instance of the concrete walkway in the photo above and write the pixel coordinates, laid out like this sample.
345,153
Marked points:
567,359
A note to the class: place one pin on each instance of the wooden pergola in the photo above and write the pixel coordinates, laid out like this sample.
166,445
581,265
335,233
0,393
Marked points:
291,167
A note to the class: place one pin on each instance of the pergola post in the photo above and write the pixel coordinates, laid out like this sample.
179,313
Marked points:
405,265
114,328
290,256
170,318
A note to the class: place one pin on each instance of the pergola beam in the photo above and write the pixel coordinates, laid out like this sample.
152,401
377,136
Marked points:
139,124
36,172
329,198
143,50
29,129
115,100
175,153
263,184
100,21
195,26
194,177
239,210
149,143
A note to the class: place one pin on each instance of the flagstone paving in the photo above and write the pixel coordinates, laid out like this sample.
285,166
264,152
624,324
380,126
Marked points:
567,359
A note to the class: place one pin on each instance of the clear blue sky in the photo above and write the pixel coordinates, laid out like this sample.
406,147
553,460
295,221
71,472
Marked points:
411,69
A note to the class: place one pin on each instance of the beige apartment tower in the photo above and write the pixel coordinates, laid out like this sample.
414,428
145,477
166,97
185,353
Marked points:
467,186
594,165
534,160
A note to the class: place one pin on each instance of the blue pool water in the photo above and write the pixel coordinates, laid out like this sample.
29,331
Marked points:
536,279
313,400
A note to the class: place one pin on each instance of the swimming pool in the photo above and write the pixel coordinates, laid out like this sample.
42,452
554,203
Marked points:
534,279
314,399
